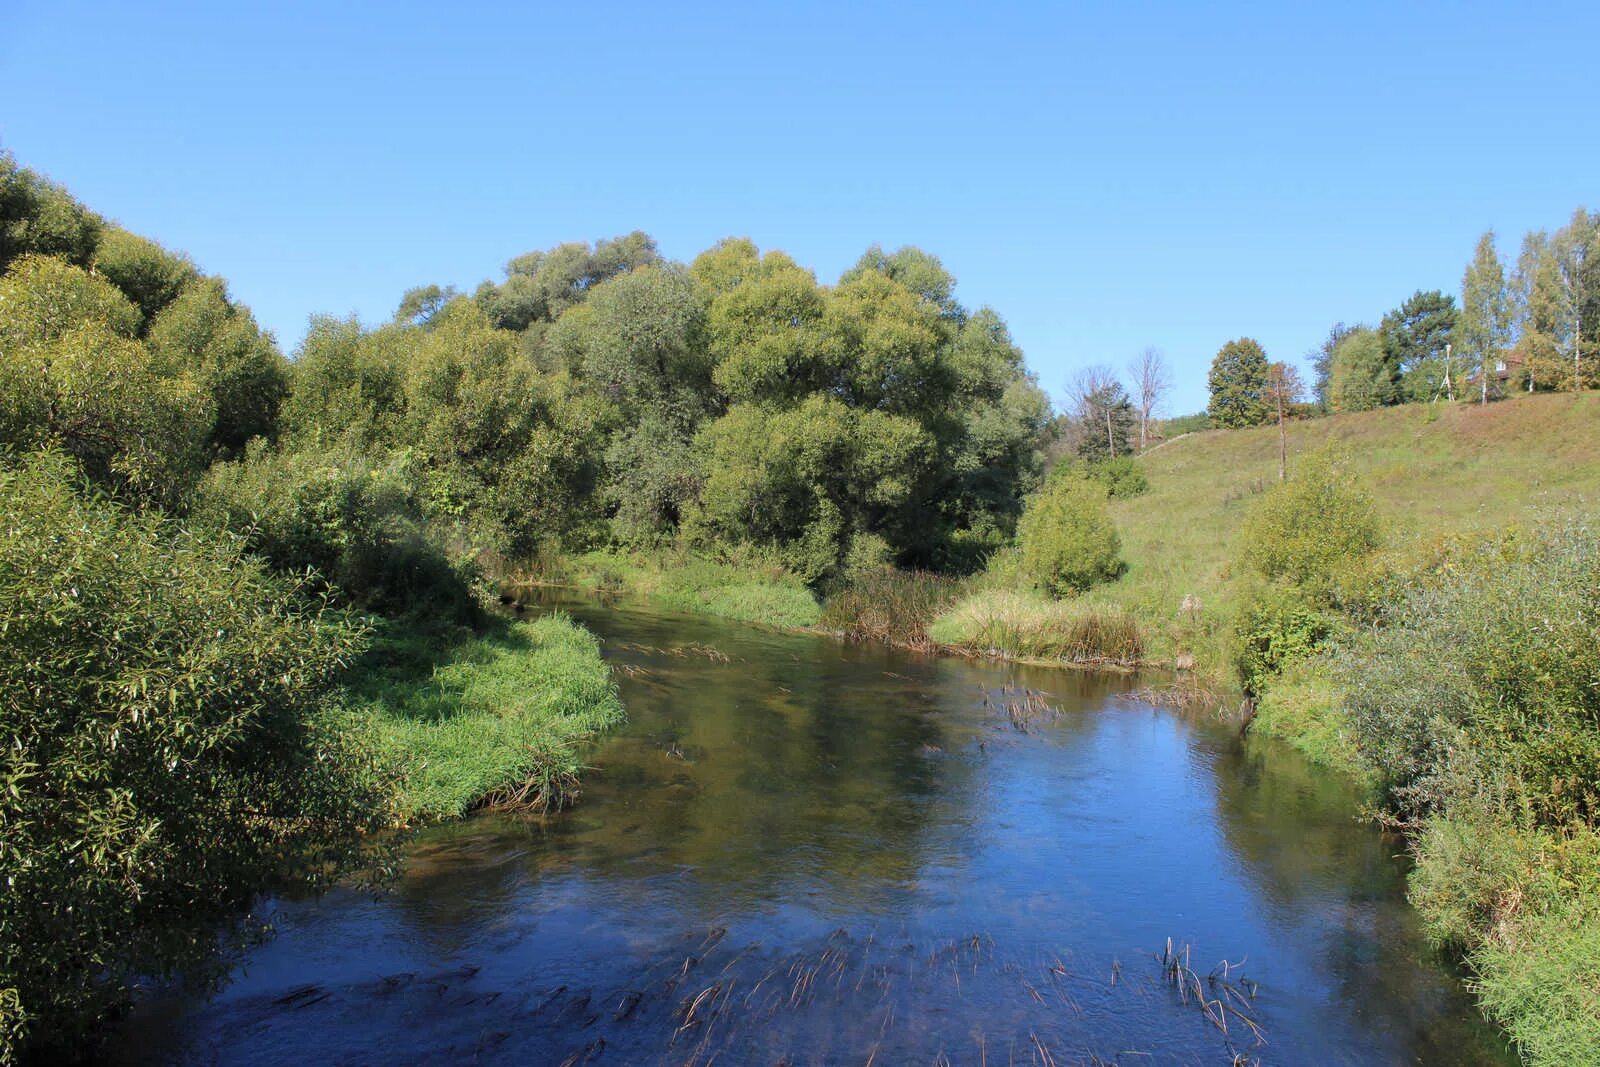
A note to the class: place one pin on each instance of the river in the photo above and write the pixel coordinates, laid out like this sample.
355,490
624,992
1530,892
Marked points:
800,851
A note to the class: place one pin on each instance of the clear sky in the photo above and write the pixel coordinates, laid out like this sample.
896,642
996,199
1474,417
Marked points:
1108,177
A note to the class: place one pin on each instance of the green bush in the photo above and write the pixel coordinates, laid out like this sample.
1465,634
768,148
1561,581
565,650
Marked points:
1317,531
1123,477
1482,681
167,755
1067,539
352,521
1524,905
1277,625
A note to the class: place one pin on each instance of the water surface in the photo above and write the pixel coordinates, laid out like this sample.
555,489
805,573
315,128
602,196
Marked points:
799,851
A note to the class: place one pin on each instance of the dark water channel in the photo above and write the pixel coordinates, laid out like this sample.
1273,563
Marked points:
805,852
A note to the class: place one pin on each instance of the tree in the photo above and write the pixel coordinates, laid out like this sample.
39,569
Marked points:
204,333
1484,326
1284,389
420,304
1362,377
1151,382
1321,360
915,269
148,274
1575,249
1238,377
1414,338
1102,415
539,286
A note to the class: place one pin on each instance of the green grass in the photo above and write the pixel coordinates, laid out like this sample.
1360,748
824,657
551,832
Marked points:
1304,707
747,590
1433,470
476,720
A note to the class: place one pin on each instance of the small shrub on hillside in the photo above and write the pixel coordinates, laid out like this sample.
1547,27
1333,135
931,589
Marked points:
1315,531
167,753
1067,539
1123,477
355,523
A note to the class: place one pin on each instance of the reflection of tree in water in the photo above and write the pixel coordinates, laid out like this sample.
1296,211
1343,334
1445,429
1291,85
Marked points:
797,762
1342,885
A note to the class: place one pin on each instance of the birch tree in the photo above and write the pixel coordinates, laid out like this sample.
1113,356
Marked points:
1484,327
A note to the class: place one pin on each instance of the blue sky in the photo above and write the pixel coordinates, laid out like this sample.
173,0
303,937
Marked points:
1108,177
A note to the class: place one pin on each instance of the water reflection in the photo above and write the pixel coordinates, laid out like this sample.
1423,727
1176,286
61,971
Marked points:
829,853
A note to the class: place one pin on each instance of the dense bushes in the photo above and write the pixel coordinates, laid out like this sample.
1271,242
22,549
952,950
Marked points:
357,525
167,749
1066,537
1482,682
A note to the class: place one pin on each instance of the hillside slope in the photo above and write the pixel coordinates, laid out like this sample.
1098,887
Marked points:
1434,470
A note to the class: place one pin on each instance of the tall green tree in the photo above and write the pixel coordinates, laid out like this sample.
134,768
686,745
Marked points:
1363,377
1575,249
1238,381
1484,325
1321,360
1414,338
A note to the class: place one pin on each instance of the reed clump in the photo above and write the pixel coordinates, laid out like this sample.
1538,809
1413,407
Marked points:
1029,626
892,606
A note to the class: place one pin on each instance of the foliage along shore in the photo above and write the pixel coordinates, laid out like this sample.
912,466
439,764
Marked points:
868,456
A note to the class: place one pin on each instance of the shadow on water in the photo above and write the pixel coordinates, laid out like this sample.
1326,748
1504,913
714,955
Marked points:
807,852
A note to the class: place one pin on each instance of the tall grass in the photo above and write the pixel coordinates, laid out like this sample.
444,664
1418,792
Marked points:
1031,626
895,607
480,720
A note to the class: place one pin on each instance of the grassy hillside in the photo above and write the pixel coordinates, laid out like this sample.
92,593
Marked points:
1434,469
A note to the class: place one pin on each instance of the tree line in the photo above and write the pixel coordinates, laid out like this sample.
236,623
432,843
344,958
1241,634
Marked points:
1533,328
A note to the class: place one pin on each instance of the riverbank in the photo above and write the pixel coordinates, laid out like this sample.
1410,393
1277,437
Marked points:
975,616
481,720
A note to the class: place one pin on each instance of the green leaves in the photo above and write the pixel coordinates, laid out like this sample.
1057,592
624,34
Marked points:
167,755
1238,382
1067,539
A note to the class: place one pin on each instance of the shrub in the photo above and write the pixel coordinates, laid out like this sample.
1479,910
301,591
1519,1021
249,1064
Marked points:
1277,625
166,755
1123,477
352,521
1482,681
1067,539
1525,907
1317,530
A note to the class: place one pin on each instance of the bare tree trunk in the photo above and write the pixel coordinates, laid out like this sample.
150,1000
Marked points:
1111,440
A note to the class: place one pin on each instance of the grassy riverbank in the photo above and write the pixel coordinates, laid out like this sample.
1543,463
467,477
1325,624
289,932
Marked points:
475,720
747,590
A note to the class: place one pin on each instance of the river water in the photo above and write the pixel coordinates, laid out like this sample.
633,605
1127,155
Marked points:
799,851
